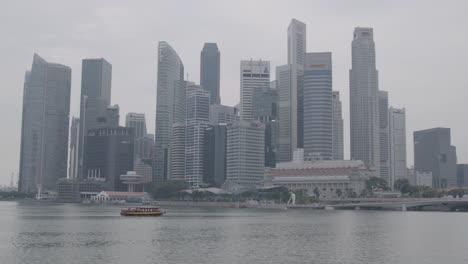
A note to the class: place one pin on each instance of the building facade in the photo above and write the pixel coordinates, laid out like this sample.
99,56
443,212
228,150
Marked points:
397,145
254,75
210,65
214,152
109,154
327,179
462,175
74,144
96,83
198,114
337,127
434,153
137,121
384,137
318,111
170,72
245,153
364,100
286,128
44,128
223,114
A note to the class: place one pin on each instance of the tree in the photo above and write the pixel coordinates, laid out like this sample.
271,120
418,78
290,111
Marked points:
167,189
316,192
376,183
402,185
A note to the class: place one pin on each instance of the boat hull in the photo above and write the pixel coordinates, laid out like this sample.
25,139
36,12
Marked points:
141,213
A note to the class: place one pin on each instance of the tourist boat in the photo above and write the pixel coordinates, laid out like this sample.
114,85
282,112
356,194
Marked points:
141,211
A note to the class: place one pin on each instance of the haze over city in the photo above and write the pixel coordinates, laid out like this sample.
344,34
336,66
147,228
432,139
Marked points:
421,52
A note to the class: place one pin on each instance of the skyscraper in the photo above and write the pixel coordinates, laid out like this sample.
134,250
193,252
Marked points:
96,81
254,75
170,71
177,159
74,143
44,130
210,71
364,96
245,153
383,136
285,112
214,152
318,118
338,148
297,48
434,153
223,114
136,121
397,145
198,113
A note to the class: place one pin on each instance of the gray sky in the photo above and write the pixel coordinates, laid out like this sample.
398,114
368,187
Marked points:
422,51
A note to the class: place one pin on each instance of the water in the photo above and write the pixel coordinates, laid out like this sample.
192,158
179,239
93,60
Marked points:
67,233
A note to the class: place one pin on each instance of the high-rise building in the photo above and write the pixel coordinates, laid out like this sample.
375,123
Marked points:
364,100
136,121
462,175
338,145
318,112
96,82
170,73
397,145
245,153
74,143
297,48
265,105
178,152
434,153
254,75
109,154
285,112
214,152
223,114
210,71
44,129
198,114
383,136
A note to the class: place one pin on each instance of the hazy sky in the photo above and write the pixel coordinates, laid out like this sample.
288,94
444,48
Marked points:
422,52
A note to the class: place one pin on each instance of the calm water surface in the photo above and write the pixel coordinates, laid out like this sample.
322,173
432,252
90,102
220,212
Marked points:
67,233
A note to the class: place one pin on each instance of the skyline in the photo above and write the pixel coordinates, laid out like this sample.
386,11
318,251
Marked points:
141,82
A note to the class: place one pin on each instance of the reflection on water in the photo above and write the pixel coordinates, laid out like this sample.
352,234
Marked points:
66,233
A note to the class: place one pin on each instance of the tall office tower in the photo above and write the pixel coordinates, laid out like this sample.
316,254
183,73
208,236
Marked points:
170,73
286,128
136,121
297,48
198,114
265,104
254,75
364,100
434,153
96,82
462,175
74,143
44,129
214,154
397,145
383,136
144,147
109,154
177,159
210,71
318,111
245,153
223,114
338,148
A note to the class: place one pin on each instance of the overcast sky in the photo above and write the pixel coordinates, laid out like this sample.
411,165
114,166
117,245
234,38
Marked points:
421,46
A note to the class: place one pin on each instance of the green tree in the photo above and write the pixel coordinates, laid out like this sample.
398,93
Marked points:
167,189
402,185
376,183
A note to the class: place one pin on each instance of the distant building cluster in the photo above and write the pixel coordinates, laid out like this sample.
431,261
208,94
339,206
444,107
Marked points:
286,131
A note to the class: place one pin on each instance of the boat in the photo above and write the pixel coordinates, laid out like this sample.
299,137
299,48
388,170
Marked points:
142,211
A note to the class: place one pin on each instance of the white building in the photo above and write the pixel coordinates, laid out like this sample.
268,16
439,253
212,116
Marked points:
245,153
397,144
338,140
253,75
136,121
331,178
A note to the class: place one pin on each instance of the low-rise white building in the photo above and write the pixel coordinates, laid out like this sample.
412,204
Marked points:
330,178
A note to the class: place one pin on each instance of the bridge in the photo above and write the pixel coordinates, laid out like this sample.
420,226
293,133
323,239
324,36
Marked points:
403,204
